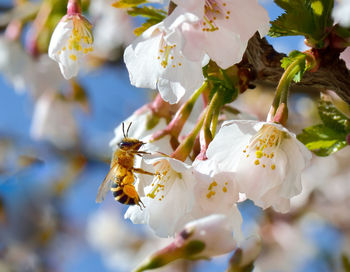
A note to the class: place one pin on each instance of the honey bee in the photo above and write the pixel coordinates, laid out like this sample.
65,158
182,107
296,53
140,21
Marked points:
120,178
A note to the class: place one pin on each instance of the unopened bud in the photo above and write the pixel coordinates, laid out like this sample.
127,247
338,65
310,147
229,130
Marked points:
200,239
73,7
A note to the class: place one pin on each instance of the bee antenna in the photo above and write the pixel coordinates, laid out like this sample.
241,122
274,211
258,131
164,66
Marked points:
123,129
127,131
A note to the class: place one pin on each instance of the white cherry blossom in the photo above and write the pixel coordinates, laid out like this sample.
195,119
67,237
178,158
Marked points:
168,196
216,193
70,41
15,64
199,239
215,232
223,29
53,120
155,60
264,158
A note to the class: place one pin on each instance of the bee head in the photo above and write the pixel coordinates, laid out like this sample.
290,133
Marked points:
130,144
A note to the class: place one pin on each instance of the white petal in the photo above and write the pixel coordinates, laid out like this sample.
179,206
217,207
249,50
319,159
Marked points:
60,37
298,158
160,213
216,232
255,181
141,59
170,91
216,194
69,68
228,143
155,60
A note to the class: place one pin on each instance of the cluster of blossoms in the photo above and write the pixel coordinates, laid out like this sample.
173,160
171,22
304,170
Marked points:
196,31
246,159
202,167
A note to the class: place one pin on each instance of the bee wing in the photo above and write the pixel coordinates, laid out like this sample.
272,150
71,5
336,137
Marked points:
106,184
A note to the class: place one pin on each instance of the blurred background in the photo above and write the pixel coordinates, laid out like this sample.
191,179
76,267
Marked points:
54,153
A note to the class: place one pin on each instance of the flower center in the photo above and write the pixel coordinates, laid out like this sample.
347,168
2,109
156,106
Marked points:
81,38
213,10
166,54
163,180
264,146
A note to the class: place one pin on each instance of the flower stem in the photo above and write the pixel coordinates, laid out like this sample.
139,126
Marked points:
214,122
185,148
281,95
175,126
214,105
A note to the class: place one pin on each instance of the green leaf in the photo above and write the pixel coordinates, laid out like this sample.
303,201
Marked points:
154,16
149,22
322,140
309,18
333,118
302,66
286,61
223,81
128,3
149,12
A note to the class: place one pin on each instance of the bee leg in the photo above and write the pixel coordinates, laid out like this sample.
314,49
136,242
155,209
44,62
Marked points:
143,205
141,171
142,152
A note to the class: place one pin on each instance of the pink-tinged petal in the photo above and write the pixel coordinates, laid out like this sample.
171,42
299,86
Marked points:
345,55
224,29
192,6
245,18
229,52
193,41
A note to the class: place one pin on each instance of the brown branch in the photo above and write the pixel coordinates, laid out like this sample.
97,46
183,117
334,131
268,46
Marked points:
265,65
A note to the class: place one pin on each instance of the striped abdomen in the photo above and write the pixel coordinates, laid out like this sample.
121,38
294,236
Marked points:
120,196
